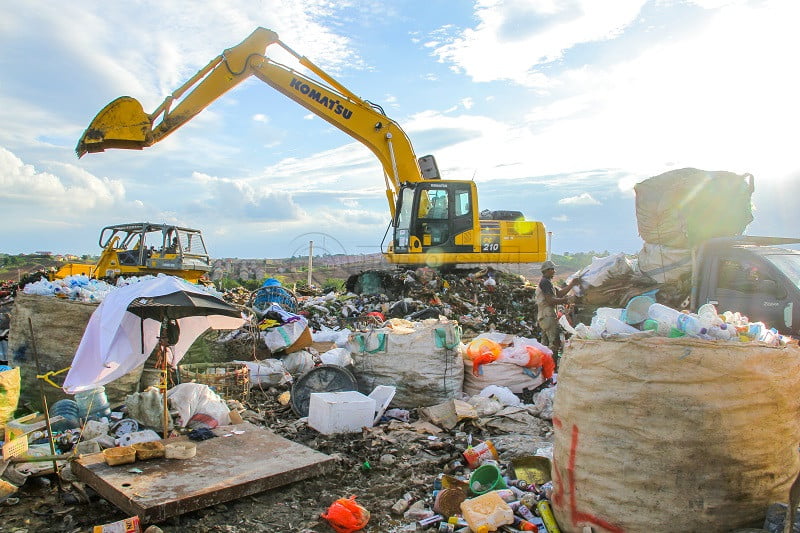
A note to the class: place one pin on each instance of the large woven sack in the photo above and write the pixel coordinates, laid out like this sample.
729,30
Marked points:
664,264
424,364
684,207
672,435
515,377
58,327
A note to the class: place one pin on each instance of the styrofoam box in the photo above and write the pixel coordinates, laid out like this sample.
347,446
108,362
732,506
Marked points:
340,412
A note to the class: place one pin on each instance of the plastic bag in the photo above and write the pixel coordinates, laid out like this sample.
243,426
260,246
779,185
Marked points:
9,394
297,363
197,398
346,516
267,372
337,356
527,356
548,366
281,337
482,351
502,394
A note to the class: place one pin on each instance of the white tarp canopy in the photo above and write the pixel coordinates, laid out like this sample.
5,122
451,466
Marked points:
116,341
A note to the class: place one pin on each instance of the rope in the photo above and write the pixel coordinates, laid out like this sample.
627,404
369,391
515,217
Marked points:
46,377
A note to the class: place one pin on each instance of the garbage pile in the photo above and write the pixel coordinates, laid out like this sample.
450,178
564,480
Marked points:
479,301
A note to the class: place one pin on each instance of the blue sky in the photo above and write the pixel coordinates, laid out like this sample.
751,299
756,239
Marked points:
555,108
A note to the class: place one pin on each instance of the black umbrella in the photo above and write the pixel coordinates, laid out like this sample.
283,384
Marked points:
181,304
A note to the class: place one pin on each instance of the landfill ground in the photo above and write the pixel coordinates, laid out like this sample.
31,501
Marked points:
380,466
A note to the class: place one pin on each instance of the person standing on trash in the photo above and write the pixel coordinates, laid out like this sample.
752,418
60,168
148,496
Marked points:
547,298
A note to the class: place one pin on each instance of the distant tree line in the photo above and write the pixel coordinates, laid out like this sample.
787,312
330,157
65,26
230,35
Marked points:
577,260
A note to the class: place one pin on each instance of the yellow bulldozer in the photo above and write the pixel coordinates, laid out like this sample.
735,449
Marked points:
142,248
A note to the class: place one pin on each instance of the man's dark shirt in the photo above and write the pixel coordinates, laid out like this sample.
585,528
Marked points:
547,287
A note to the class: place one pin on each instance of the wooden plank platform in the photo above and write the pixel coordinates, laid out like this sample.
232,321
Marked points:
224,469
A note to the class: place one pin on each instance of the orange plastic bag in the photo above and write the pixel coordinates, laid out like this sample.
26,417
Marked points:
482,351
346,516
535,357
548,365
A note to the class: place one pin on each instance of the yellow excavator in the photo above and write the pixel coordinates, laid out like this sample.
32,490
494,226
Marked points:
434,222
141,248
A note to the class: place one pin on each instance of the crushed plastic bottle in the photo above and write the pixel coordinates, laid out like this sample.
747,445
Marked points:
721,332
707,313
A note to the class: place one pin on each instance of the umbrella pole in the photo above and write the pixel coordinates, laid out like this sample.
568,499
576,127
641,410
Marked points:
165,381
50,438
165,377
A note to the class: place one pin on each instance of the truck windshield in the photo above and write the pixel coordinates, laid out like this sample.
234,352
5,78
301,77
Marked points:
789,264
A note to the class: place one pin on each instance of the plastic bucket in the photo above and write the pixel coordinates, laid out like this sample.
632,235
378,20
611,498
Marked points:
636,310
69,410
93,403
486,478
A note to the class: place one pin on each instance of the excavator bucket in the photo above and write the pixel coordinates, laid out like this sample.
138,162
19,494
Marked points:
121,124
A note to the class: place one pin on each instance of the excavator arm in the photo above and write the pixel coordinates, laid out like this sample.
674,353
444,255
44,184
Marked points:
124,124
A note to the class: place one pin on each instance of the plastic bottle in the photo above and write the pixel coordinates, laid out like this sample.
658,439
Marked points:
720,332
689,324
708,316
770,336
615,326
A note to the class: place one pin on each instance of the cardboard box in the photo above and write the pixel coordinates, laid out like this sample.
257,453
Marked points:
340,412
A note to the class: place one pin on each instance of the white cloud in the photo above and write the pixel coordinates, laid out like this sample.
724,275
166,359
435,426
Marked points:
467,103
260,117
512,37
561,218
74,189
236,198
582,199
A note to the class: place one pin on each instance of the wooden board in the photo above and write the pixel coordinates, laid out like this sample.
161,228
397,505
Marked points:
224,469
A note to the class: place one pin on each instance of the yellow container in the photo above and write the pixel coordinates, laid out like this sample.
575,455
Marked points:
180,450
487,512
121,455
148,450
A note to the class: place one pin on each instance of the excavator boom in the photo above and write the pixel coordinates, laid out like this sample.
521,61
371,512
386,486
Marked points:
124,124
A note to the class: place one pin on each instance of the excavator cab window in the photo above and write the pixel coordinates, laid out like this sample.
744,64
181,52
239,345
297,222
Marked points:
438,204
462,205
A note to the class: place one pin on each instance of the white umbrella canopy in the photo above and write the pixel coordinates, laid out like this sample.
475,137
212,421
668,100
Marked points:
117,341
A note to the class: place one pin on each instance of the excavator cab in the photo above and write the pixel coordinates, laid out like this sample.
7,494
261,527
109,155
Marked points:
433,218
437,223
142,248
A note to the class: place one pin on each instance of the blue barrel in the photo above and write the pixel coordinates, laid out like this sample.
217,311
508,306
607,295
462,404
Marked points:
69,410
93,403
